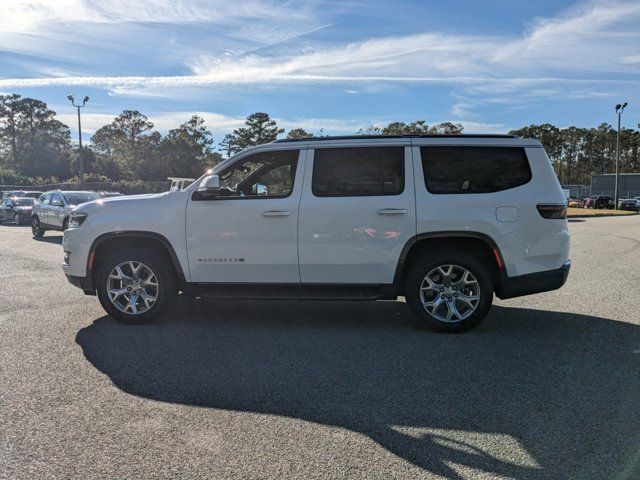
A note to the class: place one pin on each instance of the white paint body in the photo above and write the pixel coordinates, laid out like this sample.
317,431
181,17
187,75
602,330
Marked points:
335,240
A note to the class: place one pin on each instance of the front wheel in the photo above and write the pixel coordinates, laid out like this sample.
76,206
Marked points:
450,291
134,287
36,228
16,219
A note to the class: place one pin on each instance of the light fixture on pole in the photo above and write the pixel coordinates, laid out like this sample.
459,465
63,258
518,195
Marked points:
81,153
619,110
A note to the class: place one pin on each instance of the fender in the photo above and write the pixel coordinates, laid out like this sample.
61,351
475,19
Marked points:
136,234
456,234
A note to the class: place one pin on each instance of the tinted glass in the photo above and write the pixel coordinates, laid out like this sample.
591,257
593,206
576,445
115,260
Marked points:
78,198
474,169
22,202
265,174
351,172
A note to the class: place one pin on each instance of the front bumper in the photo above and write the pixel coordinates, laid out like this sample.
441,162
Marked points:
83,283
510,287
76,244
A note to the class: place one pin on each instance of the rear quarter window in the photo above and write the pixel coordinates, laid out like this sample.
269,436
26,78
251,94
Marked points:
459,170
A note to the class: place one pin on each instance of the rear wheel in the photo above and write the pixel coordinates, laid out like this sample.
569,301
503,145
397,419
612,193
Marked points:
450,291
36,228
16,219
134,286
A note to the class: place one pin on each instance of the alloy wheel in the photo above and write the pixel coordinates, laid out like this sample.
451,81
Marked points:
16,219
132,287
450,293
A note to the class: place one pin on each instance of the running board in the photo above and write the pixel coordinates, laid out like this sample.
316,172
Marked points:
290,291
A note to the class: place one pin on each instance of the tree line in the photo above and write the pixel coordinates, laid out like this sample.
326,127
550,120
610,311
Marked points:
577,153
37,148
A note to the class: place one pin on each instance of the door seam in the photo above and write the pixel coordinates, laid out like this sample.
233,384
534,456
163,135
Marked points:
302,186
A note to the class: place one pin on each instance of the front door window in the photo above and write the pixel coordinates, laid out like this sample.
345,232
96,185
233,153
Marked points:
266,174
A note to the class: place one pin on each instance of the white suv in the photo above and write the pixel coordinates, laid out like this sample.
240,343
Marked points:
446,221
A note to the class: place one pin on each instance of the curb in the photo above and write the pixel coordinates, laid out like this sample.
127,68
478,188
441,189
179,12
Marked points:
599,215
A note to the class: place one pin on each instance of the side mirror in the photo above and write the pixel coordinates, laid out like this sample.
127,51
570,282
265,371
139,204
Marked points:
260,189
210,183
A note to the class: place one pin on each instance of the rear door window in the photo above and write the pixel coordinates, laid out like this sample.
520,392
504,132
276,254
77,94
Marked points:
456,170
358,171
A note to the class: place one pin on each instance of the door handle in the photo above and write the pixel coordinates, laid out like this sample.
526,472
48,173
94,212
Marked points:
391,211
275,213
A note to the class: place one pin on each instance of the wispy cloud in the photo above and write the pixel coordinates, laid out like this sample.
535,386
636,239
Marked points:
589,45
95,37
28,16
163,121
221,124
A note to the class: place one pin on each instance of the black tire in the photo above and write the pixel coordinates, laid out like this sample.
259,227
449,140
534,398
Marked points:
17,220
156,263
425,264
65,224
36,228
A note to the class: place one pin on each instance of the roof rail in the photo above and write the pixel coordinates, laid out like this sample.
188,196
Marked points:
367,137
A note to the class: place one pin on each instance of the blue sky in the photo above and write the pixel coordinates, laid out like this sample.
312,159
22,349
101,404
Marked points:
338,65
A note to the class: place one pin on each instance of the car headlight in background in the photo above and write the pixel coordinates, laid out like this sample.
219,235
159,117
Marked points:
76,219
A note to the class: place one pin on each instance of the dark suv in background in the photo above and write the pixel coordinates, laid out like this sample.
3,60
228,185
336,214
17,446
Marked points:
16,209
599,201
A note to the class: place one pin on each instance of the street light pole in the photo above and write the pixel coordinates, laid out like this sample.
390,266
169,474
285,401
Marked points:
619,110
81,153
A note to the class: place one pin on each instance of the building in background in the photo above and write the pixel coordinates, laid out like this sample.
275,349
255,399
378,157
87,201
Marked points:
628,186
577,191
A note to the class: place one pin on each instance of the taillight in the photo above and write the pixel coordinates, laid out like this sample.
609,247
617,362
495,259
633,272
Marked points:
555,210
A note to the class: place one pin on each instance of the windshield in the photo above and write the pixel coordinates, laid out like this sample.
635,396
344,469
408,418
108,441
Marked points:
21,202
78,198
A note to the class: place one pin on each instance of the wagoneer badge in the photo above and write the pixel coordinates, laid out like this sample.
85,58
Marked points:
221,260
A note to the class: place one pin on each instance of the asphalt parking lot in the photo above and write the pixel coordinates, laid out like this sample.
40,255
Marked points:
547,387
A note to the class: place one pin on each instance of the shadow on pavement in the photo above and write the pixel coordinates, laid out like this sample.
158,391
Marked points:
57,239
560,388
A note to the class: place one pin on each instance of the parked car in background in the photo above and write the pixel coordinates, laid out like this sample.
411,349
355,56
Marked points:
51,211
21,193
576,203
629,204
16,209
599,201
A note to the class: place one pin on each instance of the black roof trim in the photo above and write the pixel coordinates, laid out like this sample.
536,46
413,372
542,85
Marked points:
368,137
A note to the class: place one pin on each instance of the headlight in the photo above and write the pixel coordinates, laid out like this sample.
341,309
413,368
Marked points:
76,219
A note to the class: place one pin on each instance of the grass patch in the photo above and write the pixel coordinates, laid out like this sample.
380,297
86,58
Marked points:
592,212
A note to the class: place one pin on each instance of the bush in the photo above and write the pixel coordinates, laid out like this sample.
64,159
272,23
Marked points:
9,176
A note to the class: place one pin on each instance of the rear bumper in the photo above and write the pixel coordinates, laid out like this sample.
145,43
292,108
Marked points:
83,283
534,282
